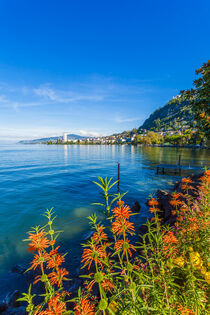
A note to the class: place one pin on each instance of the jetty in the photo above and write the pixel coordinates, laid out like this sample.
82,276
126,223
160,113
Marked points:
182,166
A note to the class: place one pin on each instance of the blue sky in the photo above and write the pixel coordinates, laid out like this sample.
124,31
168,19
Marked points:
94,67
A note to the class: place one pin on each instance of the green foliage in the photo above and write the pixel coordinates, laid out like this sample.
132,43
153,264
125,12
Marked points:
178,110
106,185
150,138
199,98
164,273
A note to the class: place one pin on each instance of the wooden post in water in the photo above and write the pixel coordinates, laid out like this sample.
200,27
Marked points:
118,177
179,164
179,160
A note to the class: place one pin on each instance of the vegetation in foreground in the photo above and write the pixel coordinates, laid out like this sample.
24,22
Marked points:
167,272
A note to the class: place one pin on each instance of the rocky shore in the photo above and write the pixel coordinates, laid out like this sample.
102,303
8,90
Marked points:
9,304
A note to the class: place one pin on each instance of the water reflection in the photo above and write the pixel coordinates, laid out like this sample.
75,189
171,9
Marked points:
65,148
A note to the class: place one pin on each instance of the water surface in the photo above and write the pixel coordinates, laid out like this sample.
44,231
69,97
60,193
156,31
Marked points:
36,177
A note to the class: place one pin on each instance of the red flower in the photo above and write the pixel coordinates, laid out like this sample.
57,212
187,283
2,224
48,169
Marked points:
55,261
124,245
207,172
54,251
193,227
170,238
106,283
152,202
122,226
84,307
175,202
57,277
120,203
39,260
38,241
99,235
205,179
186,180
54,307
122,212
175,195
93,253
153,209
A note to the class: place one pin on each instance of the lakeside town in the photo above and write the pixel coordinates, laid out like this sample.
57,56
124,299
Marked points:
185,137
174,124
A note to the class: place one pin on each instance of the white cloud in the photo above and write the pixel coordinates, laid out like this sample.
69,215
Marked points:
123,120
86,133
65,96
16,134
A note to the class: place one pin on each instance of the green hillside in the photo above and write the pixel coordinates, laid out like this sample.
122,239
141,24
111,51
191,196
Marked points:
175,115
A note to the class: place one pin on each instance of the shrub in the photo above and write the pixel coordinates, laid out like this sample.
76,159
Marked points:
166,272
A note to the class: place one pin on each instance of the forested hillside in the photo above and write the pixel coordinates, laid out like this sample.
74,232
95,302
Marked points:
176,114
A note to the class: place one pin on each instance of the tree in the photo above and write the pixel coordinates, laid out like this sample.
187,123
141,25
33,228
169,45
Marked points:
200,100
150,138
157,124
133,131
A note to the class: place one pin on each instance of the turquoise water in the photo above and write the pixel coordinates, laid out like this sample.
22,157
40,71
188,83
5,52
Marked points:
36,177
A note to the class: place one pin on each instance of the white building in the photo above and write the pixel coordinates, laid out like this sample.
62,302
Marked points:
65,137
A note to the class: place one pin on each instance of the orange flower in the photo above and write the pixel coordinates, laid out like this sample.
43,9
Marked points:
93,253
54,251
152,202
57,277
205,179
155,219
175,196
207,172
84,307
122,226
193,219
193,227
54,307
173,212
175,202
39,260
170,238
186,180
52,242
55,261
106,283
184,311
124,245
38,241
120,203
180,218
122,212
153,210
183,187
99,235
203,114
184,208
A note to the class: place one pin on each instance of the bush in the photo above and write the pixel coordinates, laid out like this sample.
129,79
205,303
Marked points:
166,272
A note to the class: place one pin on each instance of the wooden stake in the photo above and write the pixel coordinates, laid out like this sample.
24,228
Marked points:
118,184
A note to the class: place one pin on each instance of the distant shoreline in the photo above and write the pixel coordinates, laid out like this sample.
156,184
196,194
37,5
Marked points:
119,144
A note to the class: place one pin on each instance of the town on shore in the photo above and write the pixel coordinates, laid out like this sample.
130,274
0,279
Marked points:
187,138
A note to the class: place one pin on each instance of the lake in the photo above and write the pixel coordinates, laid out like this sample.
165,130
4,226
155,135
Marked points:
36,177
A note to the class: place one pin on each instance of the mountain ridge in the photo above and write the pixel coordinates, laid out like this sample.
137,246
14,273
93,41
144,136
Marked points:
44,140
175,114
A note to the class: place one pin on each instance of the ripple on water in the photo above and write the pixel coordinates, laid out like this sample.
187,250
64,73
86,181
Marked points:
36,177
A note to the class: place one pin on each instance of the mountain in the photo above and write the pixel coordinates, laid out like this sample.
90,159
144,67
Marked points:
174,115
44,140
